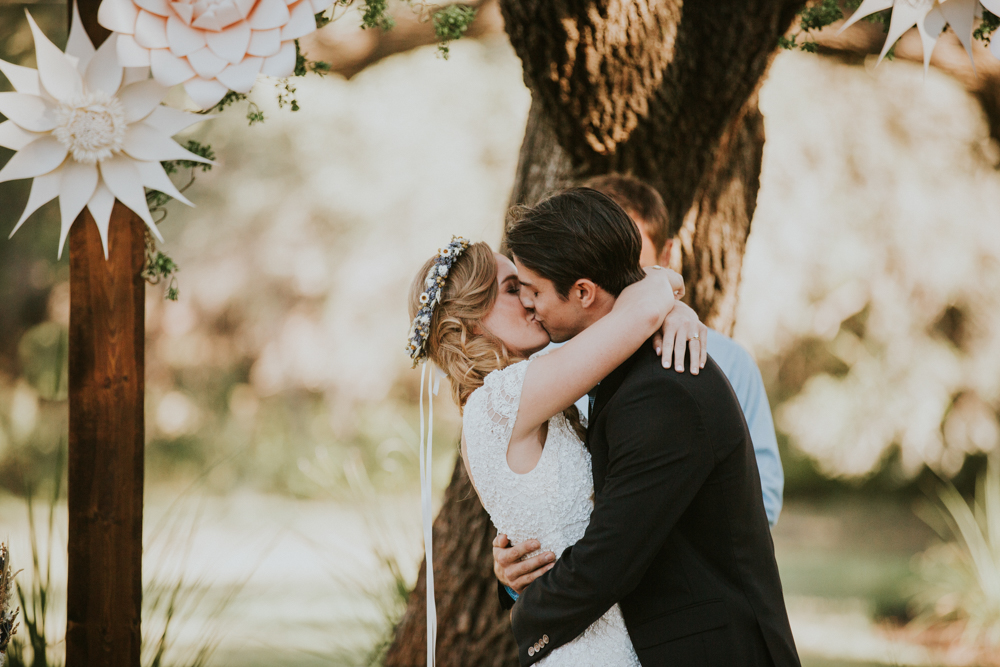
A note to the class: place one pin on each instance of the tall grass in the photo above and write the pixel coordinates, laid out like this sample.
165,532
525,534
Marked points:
171,600
960,578
36,595
387,592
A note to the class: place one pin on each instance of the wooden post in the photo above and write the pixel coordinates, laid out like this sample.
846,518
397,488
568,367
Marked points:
106,433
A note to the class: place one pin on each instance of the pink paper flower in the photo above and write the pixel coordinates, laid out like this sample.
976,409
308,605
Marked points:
211,46
88,131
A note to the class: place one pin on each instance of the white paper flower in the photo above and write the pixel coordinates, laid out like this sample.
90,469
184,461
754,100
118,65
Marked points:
211,46
88,131
929,16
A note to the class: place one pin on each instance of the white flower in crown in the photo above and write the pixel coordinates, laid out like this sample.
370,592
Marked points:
445,252
443,270
930,18
211,46
88,131
424,298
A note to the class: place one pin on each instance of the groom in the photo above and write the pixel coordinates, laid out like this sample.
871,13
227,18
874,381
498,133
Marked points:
678,536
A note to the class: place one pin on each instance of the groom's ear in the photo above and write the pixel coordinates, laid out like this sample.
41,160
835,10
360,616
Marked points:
584,291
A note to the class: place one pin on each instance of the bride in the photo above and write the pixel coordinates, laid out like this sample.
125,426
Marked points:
522,437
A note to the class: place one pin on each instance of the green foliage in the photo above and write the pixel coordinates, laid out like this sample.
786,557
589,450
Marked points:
374,14
819,15
159,267
987,26
450,23
960,579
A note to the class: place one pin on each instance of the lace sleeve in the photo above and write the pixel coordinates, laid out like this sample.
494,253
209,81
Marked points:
501,398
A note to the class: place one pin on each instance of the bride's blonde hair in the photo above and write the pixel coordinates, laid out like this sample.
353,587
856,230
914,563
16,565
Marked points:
456,340
453,343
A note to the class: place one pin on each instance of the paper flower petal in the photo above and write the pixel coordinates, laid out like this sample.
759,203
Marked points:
961,14
39,157
321,5
58,76
43,190
79,44
158,7
244,7
183,39
282,64
104,73
168,69
24,79
151,31
206,93
929,28
140,99
15,138
145,142
867,8
992,5
301,23
135,75
118,15
184,11
904,17
269,14
265,42
78,184
230,44
122,177
100,206
206,63
170,121
153,177
241,77
219,17
130,54
30,112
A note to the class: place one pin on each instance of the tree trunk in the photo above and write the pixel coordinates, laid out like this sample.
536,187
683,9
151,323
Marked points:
665,91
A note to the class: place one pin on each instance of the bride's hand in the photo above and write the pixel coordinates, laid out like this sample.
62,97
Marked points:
682,328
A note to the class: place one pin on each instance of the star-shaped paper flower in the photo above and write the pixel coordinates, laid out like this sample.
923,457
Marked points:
211,46
929,16
87,132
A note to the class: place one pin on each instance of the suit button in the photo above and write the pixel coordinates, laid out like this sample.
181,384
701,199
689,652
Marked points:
545,639
531,651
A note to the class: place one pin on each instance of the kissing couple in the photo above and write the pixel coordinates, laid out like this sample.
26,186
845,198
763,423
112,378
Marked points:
652,503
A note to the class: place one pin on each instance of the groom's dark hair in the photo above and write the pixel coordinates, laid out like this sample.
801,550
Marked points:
577,233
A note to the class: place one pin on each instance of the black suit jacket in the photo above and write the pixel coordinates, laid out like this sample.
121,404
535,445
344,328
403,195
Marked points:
678,537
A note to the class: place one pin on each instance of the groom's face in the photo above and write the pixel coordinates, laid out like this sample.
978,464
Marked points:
560,317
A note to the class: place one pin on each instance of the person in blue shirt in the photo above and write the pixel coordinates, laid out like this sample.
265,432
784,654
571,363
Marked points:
646,207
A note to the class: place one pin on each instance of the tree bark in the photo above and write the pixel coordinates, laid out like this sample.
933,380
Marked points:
665,91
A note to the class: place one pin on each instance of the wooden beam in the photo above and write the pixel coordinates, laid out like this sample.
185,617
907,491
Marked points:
106,433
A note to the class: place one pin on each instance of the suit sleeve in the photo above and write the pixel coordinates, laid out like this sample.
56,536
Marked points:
660,456
506,601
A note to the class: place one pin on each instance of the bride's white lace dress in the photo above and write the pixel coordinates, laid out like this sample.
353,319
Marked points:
552,503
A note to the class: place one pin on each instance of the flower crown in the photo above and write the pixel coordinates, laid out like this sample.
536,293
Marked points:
431,296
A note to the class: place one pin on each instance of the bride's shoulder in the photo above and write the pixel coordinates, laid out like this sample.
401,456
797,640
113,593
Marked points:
500,386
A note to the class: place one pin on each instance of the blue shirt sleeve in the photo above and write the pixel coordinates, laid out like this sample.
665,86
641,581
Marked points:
744,376
510,592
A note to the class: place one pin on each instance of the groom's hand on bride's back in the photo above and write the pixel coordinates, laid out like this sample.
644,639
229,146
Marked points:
682,329
515,573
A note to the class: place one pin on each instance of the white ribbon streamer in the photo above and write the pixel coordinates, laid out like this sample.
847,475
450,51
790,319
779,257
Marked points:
433,384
